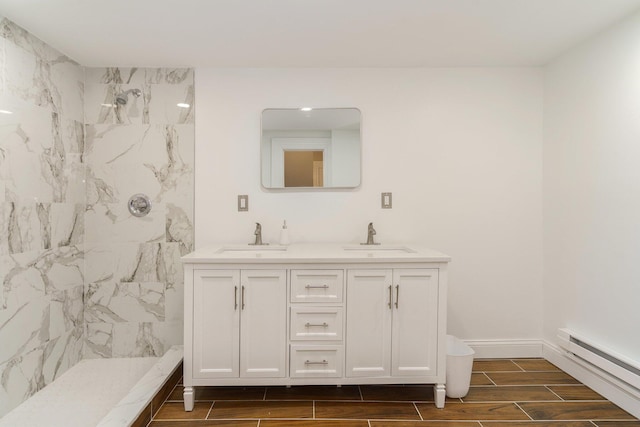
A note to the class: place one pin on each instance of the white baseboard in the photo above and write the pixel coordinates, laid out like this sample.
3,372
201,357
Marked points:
618,392
505,349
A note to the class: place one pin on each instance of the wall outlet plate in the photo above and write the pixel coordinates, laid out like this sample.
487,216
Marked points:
386,201
243,203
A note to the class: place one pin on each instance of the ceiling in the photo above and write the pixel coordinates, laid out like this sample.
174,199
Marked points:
315,33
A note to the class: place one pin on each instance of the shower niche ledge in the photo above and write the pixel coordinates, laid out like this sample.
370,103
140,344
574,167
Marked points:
315,314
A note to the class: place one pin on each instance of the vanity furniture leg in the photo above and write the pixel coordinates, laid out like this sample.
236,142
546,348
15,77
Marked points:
439,392
189,394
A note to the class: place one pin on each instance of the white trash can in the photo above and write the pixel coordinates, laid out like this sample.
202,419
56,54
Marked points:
459,366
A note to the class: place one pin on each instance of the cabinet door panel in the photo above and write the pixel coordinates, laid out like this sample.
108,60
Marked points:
415,322
216,327
368,341
263,345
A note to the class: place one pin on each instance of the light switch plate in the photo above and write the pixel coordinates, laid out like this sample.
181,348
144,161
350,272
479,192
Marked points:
386,201
243,203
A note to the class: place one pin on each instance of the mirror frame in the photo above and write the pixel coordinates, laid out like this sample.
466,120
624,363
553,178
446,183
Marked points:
298,189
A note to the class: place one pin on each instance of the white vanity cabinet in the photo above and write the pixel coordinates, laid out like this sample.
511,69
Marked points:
314,314
239,310
393,327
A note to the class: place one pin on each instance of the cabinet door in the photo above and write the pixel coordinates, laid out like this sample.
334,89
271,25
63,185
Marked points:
216,328
263,320
368,341
415,322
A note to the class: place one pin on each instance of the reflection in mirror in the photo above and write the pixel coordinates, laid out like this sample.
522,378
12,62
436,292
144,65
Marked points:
303,168
314,148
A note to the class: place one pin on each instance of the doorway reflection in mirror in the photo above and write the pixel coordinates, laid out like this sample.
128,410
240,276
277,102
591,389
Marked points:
313,149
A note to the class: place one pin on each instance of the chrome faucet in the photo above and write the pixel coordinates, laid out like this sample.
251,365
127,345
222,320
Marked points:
370,233
258,234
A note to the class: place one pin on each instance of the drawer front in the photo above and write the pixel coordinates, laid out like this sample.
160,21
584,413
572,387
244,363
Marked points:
316,323
316,285
316,361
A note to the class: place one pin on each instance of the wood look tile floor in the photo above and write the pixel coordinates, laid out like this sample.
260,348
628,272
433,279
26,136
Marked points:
503,393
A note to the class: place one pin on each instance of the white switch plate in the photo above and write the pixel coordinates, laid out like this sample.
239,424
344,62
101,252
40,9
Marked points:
243,203
386,201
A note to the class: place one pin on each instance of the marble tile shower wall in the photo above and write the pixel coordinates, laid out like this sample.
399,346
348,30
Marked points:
134,283
42,207
79,276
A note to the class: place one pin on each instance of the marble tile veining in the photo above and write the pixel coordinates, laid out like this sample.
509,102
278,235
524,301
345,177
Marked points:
125,302
24,328
67,224
99,340
138,339
25,227
42,186
113,223
138,76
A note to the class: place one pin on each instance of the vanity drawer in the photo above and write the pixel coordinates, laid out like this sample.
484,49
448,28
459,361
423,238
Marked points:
316,361
317,285
316,323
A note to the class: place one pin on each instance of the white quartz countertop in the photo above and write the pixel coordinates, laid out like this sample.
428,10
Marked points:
314,253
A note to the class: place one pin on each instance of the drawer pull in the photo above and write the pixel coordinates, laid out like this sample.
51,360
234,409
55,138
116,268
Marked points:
316,325
317,287
309,362
235,298
390,297
397,295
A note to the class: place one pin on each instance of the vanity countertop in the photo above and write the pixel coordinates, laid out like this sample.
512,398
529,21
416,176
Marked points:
314,252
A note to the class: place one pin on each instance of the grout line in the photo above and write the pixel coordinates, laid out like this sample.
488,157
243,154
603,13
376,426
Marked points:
489,378
560,397
369,423
210,409
418,410
521,368
525,412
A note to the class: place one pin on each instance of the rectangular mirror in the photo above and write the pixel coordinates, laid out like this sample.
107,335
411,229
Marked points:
310,148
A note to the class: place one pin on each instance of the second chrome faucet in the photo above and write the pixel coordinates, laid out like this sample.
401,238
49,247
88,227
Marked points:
258,234
370,233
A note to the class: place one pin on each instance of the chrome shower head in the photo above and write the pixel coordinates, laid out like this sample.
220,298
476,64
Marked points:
122,98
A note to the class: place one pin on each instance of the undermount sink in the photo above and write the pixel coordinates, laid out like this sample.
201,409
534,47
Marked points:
379,249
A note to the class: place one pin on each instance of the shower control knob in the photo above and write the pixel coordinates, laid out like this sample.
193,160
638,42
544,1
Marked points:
139,205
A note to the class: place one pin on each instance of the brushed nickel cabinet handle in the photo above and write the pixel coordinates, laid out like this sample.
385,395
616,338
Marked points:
317,287
309,362
235,298
397,295
390,296
242,298
318,325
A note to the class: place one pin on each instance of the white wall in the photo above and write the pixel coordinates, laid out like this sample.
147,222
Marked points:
461,150
592,190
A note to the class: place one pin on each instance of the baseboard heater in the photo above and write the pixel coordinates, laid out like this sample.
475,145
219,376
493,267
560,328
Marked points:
619,366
